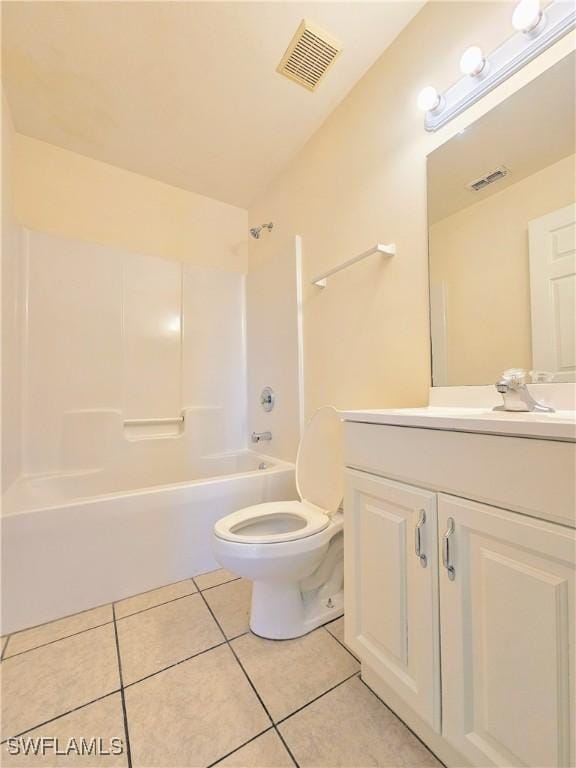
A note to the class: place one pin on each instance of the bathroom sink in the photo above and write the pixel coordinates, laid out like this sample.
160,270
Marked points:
560,425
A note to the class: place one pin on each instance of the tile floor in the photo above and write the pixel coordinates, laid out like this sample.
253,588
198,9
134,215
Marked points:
178,679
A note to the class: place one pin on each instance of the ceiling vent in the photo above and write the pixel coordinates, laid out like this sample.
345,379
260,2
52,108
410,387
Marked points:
490,178
309,56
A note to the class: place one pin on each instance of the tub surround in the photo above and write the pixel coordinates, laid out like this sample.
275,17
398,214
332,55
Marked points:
470,533
107,332
99,455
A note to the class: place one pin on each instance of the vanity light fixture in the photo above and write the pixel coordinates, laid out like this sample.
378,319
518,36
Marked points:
527,16
429,99
472,62
535,31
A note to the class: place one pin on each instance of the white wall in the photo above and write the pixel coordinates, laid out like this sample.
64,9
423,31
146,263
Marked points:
11,308
273,342
107,330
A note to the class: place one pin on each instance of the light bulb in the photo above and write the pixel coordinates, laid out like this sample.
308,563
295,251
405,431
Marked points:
428,99
472,61
527,15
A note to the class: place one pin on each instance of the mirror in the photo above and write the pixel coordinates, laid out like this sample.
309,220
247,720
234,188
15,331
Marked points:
502,239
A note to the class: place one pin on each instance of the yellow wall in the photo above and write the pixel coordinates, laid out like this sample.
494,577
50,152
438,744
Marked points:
361,179
67,194
481,254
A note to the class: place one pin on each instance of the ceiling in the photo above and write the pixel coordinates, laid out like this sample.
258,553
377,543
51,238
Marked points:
183,92
529,131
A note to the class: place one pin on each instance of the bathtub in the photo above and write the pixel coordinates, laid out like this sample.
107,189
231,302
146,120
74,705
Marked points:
73,541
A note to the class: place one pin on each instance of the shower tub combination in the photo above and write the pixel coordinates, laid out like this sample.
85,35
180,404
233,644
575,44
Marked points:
132,425
73,541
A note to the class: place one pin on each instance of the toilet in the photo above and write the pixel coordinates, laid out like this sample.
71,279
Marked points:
292,551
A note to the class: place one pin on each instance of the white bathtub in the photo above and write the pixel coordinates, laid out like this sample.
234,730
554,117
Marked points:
74,541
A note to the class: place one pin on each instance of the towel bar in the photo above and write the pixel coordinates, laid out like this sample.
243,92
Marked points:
390,249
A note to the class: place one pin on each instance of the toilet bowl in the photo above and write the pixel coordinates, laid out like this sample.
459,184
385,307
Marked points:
292,551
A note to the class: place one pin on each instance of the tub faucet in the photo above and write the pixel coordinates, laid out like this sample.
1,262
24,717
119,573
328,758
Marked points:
512,387
257,436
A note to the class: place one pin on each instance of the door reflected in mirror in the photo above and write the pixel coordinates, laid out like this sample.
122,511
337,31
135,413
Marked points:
502,239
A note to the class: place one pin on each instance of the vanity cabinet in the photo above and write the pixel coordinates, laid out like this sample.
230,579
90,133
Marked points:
391,592
507,636
474,645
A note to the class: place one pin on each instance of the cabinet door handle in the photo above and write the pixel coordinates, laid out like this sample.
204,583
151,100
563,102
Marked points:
418,539
446,550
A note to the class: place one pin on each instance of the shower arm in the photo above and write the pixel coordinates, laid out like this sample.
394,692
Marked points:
256,232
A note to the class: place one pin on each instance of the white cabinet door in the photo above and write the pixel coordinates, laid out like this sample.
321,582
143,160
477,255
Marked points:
507,636
391,594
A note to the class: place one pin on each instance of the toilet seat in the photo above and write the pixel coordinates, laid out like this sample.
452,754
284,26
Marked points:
272,522
320,485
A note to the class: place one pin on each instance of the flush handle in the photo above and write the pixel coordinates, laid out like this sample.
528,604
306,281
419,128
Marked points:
446,560
418,538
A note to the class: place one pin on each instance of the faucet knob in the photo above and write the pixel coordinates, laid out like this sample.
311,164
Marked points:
513,378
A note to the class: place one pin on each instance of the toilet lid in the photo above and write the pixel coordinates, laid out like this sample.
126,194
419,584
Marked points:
271,522
320,461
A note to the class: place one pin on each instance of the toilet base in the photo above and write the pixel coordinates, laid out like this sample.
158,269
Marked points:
281,612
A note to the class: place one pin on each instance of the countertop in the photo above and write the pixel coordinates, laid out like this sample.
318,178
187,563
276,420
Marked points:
560,425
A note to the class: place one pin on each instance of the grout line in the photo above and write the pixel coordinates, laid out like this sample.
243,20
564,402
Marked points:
402,721
104,605
57,717
283,740
112,605
266,730
121,689
54,621
57,640
175,664
215,586
228,642
151,607
5,645
88,629
332,621
329,690
122,696
341,643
